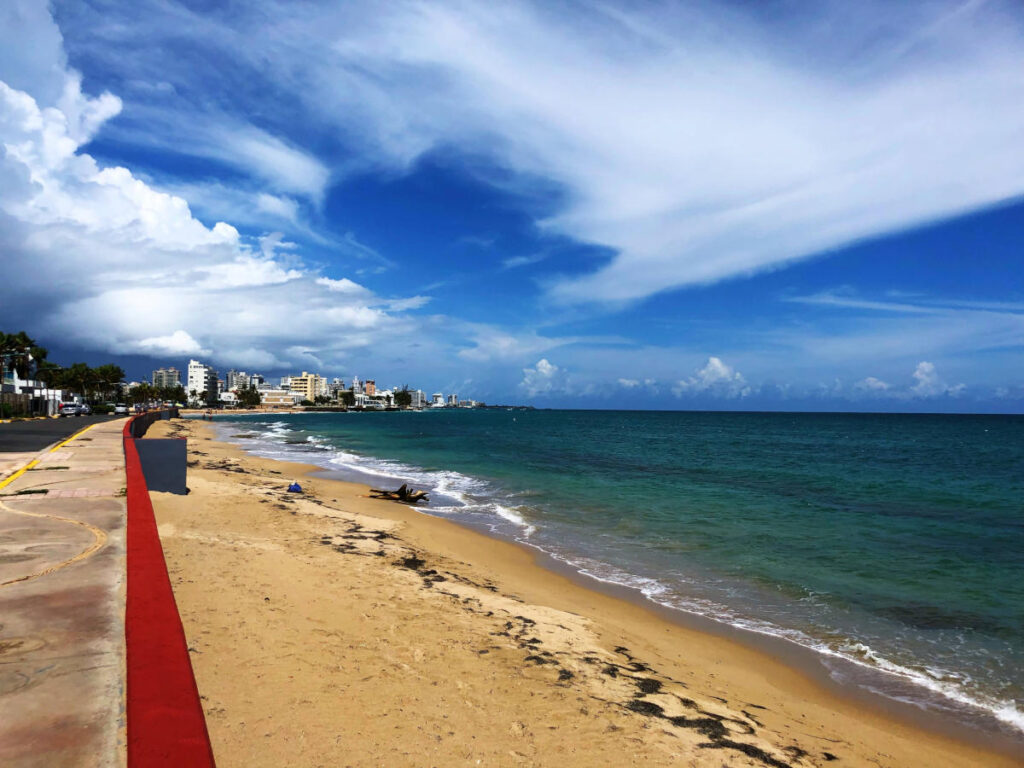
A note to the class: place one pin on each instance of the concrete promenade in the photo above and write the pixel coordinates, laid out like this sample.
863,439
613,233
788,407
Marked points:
62,599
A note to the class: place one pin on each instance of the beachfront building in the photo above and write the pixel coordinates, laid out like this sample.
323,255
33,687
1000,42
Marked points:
309,385
357,386
335,388
437,400
235,380
370,387
166,377
279,398
453,401
256,381
28,395
286,382
201,378
419,399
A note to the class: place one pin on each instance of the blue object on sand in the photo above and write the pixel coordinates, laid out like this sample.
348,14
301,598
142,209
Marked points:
295,488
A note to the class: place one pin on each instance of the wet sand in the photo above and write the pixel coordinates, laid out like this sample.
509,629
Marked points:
331,629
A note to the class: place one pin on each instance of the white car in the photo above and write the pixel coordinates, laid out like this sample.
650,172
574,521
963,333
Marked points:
121,409
70,409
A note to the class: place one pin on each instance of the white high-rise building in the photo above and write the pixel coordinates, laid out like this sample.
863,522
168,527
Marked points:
453,401
235,380
201,378
437,400
419,399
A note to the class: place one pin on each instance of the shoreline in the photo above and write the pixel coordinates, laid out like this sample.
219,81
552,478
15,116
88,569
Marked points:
673,655
896,691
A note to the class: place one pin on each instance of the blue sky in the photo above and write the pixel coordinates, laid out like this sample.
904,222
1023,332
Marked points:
649,205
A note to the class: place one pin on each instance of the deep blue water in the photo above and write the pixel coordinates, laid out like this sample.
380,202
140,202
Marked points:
892,541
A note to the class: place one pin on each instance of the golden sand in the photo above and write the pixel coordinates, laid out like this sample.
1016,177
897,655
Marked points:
329,629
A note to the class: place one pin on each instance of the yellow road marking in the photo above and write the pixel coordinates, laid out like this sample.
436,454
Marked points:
79,432
100,538
7,481
19,473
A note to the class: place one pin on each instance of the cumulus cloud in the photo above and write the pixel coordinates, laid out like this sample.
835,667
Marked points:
929,384
543,379
651,385
178,343
716,379
871,384
123,267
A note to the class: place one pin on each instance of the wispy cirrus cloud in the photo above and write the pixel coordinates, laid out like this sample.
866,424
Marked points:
697,143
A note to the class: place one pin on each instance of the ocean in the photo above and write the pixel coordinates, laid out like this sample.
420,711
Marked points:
890,545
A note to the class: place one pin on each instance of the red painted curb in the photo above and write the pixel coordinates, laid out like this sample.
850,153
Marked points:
166,725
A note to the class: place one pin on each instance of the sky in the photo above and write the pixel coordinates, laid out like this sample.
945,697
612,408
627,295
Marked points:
776,205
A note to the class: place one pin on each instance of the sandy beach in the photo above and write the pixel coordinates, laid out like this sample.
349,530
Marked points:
331,629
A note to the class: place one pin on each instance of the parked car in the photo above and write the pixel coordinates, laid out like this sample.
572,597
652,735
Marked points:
70,409
85,409
121,409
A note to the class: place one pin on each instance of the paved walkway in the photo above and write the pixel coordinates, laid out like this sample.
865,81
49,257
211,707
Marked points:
62,567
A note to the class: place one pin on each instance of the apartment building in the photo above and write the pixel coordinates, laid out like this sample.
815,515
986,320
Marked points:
201,378
309,385
166,377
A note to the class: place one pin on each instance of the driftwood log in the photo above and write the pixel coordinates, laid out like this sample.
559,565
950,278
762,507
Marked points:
403,494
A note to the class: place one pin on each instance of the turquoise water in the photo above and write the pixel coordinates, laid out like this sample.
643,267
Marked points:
890,544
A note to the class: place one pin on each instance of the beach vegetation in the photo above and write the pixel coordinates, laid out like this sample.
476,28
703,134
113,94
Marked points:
248,397
20,354
403,397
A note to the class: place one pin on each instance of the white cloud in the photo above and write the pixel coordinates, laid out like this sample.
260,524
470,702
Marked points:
178,343
122,267
697,141
344,285
523,261
929,384
635,384
543,379
716,379
285,167
871,384
278,205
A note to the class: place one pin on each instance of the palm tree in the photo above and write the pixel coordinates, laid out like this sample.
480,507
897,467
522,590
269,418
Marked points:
80,378
107,377
16,353
50,374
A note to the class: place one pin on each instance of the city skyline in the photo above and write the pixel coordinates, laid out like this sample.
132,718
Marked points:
713,207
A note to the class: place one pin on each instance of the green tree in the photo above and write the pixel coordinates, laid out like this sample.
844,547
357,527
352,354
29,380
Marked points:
16,353
347,397
79,378
249,397
142,393
106,379
403,397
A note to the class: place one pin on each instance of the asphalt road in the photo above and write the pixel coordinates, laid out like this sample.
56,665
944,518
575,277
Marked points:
29,436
